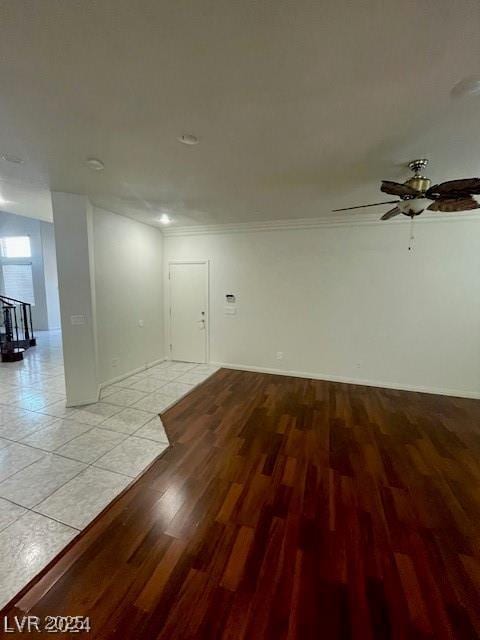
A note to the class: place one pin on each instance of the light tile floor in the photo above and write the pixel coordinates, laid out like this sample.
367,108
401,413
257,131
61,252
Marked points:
60,467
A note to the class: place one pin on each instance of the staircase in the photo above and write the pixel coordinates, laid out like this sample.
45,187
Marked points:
16,329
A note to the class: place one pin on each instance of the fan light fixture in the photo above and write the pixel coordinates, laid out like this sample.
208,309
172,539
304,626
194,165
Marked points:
417,194
164,219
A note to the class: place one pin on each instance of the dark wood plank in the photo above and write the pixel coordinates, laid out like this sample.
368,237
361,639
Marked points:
289,509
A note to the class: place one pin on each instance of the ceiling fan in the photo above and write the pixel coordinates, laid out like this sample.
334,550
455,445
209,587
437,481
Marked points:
415,195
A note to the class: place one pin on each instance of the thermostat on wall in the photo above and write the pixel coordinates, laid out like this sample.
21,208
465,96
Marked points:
230,311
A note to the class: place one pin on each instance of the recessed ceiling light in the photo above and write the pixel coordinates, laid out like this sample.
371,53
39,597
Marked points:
188,138
8,157
95,164
164,219
467,87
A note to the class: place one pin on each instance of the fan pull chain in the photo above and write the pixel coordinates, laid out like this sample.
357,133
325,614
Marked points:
411,240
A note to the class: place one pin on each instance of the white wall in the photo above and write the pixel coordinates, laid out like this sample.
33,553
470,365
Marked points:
50,275
111,294
129,289
349,302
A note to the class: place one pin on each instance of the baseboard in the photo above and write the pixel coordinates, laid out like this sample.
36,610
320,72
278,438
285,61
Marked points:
359,381
154,363
121,377
83,403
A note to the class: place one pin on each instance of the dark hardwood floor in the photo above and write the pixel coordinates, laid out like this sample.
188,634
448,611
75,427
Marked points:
287,508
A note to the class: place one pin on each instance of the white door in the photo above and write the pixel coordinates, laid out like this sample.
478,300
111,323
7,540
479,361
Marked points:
188,311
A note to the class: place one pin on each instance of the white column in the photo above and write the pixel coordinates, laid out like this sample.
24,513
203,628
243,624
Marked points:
47,233
72,215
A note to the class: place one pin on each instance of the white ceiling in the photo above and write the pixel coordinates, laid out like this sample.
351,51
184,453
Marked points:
300,106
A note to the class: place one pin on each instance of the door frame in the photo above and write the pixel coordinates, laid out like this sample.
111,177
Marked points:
207,305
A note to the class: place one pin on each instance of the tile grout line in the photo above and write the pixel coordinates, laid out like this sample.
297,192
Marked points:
54,451
38,513
121,408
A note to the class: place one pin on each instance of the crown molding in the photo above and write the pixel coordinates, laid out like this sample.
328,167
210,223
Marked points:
348,220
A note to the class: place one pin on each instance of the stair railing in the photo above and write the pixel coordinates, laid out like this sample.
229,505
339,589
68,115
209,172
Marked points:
18,334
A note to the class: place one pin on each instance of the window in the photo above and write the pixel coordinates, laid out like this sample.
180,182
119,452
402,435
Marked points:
18,282
15,247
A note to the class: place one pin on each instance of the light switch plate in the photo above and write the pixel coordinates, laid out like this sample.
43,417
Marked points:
77,319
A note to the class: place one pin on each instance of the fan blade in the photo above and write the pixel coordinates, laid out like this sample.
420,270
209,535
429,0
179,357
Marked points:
362,206
454,204
391,214
464,187
398,189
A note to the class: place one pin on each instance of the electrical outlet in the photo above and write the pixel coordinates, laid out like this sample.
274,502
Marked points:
141,323
115,362
279,355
